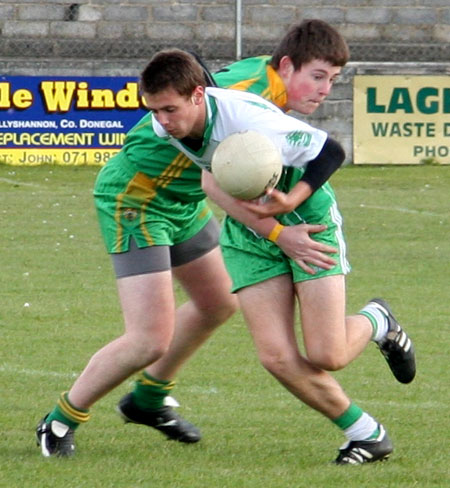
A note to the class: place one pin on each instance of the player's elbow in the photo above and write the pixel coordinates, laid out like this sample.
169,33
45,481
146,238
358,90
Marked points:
334,152
320,169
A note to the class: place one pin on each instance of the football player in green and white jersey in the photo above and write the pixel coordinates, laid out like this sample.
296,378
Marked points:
156,225
195,119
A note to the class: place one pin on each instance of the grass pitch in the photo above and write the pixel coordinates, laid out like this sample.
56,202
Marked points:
59,305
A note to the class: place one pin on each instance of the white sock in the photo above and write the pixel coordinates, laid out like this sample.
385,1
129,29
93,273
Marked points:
378,319
362,429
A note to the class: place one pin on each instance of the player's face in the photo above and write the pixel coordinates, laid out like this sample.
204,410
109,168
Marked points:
180,116
307,87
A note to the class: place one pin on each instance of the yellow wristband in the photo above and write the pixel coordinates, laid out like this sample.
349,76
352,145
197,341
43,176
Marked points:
275,232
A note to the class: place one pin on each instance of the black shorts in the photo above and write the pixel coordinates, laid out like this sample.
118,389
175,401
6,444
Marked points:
154,259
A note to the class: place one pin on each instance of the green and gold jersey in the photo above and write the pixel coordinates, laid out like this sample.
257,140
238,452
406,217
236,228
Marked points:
249,258
254,75
170,171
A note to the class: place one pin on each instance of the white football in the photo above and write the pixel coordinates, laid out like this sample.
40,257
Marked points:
246,164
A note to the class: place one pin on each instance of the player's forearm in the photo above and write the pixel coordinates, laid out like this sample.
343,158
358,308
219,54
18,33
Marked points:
263,226
299,193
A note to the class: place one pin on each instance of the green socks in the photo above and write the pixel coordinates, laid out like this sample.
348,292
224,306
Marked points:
149,393
66,413
357,424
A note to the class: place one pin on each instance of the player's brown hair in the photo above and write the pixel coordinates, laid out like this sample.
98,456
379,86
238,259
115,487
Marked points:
312,39
172,68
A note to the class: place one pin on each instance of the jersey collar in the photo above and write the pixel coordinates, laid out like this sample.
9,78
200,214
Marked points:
277,88
211,114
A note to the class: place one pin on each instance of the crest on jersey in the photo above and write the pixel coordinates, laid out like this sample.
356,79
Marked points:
299,138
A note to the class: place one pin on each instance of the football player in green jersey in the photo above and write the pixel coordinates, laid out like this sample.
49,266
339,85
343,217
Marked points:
195,118
157,226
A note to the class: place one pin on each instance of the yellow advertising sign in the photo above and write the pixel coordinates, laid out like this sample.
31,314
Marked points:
401,119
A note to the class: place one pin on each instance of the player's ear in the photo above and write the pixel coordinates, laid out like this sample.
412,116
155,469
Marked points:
286,67
198,95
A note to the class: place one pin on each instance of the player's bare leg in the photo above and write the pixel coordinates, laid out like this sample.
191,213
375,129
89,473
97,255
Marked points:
149,315
208,285
211,303
332,340
269,311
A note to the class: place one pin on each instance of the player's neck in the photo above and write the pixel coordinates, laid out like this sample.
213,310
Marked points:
200,123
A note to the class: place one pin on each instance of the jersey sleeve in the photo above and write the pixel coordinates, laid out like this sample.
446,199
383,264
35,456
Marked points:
297,141
300,142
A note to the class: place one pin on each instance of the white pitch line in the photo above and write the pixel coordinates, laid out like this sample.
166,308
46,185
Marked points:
406,404
404,210
5,368
15,182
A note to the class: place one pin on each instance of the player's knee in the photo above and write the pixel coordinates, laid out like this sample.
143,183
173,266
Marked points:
229,307
327,360
220,310
275,362
152,354
146,352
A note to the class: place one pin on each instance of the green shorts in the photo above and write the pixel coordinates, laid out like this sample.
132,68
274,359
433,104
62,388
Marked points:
251,259
129,204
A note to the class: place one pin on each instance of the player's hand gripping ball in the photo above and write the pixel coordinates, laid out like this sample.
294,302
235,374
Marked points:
246,164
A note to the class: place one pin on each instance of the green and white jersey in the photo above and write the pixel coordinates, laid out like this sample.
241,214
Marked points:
231,111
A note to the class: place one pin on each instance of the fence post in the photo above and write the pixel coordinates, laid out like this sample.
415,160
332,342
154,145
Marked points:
238,33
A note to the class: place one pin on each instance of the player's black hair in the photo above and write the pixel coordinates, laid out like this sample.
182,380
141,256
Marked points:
172,68
311,39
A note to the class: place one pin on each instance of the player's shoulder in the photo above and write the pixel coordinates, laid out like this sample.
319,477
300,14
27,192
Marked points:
241,70
227,93
145,133
230,96
250,61
142,124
